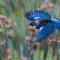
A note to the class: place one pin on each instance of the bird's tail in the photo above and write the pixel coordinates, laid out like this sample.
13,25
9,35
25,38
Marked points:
57,24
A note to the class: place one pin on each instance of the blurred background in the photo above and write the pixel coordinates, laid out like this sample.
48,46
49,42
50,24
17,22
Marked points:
13,31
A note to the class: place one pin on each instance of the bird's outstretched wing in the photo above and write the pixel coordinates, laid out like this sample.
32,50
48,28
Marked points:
37,15
45,32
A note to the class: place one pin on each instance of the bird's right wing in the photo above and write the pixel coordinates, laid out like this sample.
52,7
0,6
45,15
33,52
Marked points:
45,32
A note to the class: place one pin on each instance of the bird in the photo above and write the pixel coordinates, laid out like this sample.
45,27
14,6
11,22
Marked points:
44,22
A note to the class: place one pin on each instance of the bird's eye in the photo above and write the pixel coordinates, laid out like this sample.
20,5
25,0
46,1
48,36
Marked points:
31,24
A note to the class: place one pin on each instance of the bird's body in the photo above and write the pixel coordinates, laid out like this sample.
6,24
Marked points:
43,19
47,30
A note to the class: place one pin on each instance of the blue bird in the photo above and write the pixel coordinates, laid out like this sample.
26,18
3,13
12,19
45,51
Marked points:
44,23
37,17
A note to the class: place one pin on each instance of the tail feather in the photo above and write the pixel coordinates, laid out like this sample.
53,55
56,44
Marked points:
57,24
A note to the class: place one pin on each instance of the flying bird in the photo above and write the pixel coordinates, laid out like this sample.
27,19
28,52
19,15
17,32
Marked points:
44,22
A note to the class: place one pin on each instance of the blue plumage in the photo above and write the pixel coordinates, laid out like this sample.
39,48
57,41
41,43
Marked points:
47,30
37,15
56,23
43,19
